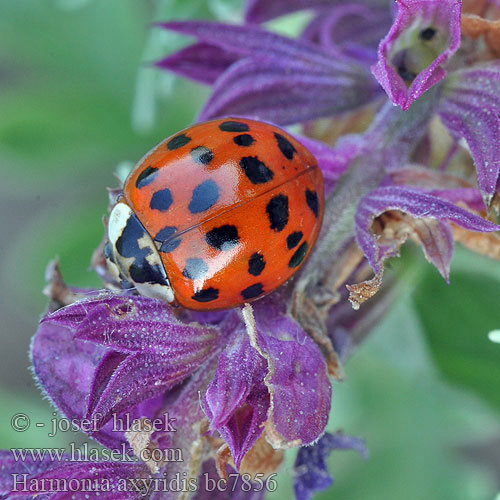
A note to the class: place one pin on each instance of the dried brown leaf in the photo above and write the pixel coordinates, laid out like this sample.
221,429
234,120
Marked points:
475,26
56,290
487,244
313,322
361,292
478,7
140,441
261,458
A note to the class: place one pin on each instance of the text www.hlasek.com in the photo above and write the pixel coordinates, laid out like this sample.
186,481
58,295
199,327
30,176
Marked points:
38,454
89,454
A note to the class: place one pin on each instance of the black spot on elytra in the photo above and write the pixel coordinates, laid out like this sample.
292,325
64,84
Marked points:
312,201
195,269
256,264
252,291
293,239
163,236
244,140
256,171
170,245
161,200
146,177
427,33
299,255
165,233
277,211
204,196
206,295
202,155
178,141
223,237
233,126
286,147
127,245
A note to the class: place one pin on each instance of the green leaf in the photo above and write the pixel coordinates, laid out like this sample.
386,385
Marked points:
456,320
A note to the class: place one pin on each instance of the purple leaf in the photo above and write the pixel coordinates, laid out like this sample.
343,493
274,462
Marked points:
152,352
411,58
481,130
237,401
255,41
64,368
415,203
10,465
259,11
297,381
104,370
277,78
134,325
469,107
470,196
311,470
201,62
245,426
478,85
284,92
440,184
137,378
155,351
353,29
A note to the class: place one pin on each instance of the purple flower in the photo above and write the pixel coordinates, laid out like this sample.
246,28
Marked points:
311,471
269,76
411,58
469,107
237,400
437,240
263,75
353,29
297,378
110,358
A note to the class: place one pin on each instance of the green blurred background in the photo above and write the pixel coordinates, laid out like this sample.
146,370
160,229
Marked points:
79,101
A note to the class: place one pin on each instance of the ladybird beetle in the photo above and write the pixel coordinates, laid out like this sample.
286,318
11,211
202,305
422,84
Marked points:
217,215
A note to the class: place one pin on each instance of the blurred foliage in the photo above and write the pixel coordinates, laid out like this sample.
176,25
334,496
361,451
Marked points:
413,421
35,436
457,327
68,84
78,97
